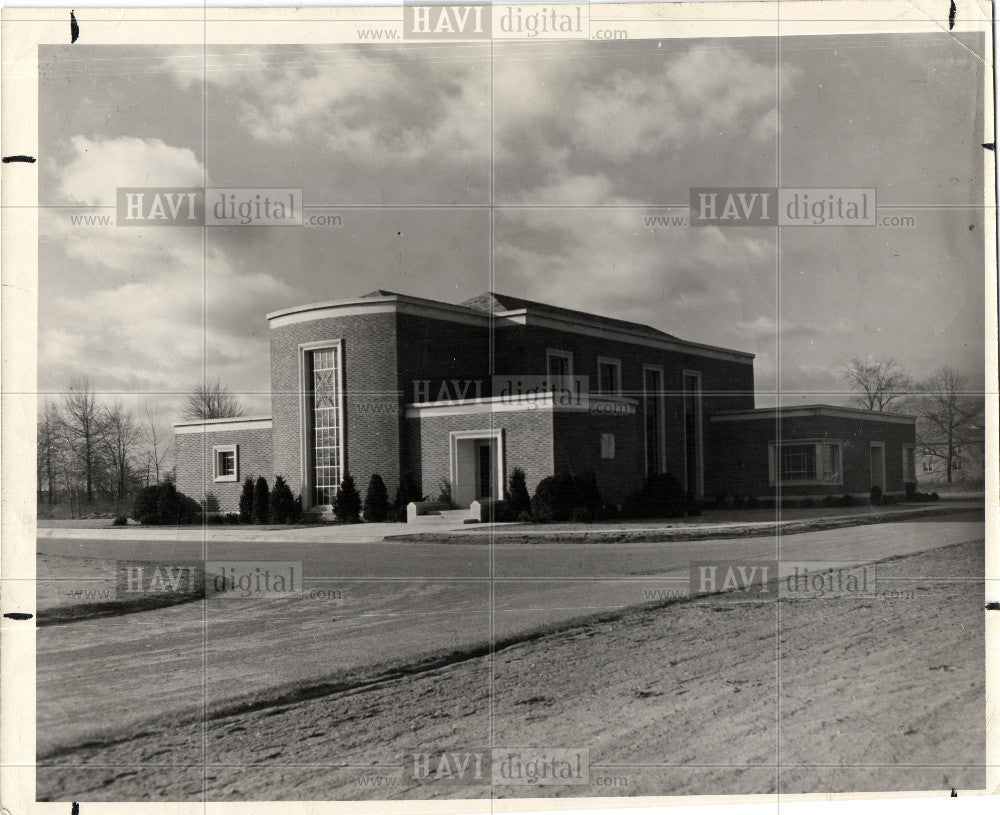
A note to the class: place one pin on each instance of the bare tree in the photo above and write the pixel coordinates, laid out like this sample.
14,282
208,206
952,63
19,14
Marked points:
48,448
879,384
84,426
157,448
211,400
121,438
948,416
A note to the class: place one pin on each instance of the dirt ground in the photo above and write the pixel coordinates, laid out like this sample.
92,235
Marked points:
716,695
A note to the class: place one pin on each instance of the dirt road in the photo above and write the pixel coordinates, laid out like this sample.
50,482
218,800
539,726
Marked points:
726,694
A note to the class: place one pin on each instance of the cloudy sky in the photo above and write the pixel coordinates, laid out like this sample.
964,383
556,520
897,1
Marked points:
574,146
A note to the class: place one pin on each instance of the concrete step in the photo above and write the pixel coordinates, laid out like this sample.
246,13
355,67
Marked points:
444,516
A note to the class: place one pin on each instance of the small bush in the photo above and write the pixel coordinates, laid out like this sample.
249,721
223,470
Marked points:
661,496
246,502
406,492
347,504
120,520
502,512
144,506
444,491
282,503
396,515
376,506
566,497
876,495
517,492
847,500
608,512
261,512
163,504
232,518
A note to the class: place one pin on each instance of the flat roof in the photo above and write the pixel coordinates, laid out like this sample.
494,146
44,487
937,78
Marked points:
220,425
501,311
797,411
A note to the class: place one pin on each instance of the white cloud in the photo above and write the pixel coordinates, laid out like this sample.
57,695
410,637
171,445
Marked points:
136,309
98,168
566,112
609,262
397,103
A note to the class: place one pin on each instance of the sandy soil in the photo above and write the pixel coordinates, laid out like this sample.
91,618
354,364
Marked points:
873,691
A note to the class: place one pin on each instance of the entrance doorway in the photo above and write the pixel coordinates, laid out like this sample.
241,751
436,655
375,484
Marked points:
477,465
486,469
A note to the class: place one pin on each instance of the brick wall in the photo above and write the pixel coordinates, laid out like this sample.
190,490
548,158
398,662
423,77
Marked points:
193,452
578,450
385,354
726,385
737,462
371,399
435,353
528,444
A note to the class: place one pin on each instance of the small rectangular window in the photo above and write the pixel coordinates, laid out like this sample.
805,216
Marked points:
805,463
558,366
609,377
798,462
607,445
226,462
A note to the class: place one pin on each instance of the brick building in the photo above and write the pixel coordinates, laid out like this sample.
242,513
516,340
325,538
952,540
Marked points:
392,384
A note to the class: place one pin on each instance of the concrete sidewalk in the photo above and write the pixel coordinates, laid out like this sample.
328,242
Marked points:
793,520
341,533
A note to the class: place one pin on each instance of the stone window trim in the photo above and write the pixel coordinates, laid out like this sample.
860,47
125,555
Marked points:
699,429
659,463
909,463
305,439
225,463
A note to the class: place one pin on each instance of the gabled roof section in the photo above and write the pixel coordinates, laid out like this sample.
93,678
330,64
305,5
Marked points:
493,303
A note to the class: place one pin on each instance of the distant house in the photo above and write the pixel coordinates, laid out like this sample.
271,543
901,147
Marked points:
968,464
393,384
